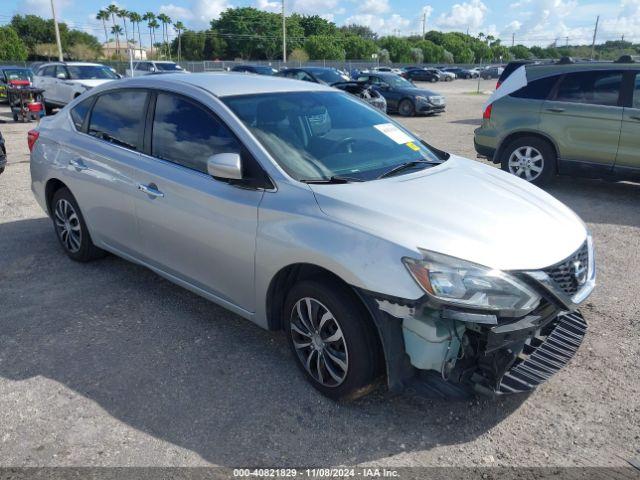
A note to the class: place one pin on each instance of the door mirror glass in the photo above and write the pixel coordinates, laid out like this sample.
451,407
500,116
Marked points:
226,166
152,69
61,76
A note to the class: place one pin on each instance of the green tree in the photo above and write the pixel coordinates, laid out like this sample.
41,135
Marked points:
11,46
214,46
500,52
315,25
399,48
520,52
358,48
431,53
322,47
383,56
359,31
299,55
34,30
103,16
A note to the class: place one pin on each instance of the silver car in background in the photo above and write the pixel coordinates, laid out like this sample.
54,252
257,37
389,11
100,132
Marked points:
303,209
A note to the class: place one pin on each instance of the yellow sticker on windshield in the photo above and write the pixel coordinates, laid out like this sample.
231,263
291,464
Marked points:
413,146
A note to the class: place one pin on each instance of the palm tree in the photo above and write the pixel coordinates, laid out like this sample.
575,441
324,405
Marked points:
117,31
104,16
124,14
135,19
165,31
112,10
150,17
153,24
179,26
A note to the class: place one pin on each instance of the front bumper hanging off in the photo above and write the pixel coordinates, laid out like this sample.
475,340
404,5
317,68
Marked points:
504,358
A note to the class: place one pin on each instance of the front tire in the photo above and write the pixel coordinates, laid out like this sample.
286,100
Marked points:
531,158
332,339
407,108
71,229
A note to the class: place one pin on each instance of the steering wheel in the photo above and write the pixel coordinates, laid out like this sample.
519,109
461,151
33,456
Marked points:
345,142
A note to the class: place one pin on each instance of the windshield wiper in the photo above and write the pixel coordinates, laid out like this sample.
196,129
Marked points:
335,179
405,166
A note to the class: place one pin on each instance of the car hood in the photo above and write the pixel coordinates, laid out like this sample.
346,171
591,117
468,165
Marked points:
464,209
91,83
419,91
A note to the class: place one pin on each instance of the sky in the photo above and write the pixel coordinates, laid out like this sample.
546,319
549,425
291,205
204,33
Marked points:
532,22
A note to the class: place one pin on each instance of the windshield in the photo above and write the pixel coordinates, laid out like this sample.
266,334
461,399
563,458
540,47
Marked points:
91,72
315,136
168,67
18,74
329,76
265,70
397,81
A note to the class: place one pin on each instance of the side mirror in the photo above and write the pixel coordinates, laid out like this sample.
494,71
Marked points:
61,76
225,166
152,69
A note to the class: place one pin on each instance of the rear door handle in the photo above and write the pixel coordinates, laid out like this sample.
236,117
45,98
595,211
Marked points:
78,164
151,190
555,110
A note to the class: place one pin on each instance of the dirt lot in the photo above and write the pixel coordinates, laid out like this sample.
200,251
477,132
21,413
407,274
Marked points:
108,364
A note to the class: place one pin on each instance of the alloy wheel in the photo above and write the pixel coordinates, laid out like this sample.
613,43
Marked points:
68,225
319,342
526,162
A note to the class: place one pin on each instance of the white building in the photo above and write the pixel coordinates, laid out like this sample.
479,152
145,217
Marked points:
110,49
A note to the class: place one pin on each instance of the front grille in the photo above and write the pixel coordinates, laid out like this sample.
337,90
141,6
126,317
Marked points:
546,354
563,273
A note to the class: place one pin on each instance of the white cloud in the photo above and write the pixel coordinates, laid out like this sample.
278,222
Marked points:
384,26
312,7
513,26
43,7
465,15
375,7
269,5
176,12
627,23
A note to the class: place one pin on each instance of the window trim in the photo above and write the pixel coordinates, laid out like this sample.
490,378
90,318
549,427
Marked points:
269,184
620,102
87,121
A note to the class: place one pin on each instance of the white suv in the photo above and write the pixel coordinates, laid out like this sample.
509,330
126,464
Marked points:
151,67
64,81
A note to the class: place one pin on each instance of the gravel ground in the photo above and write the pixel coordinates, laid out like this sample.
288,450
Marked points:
107,364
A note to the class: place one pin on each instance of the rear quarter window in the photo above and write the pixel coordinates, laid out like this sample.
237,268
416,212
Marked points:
79,113
538,89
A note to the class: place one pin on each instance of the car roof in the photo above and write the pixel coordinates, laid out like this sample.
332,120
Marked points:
13,67
226,84
72,64
546,70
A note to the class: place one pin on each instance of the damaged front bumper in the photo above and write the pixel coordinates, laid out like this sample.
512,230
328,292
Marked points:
454,354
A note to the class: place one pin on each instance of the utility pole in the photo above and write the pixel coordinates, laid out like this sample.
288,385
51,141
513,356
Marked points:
424,24
595,33
513,39
284,35
566,42
55,24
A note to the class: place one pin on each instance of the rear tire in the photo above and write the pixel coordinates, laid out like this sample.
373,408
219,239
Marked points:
335,346
531,158
71,229
48,109
406,108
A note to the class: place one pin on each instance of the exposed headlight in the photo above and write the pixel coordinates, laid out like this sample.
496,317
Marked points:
421,99
436,100
465,284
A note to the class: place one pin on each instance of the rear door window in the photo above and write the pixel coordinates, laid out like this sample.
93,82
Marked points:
593,88
118,117
48,71
187,134
636,93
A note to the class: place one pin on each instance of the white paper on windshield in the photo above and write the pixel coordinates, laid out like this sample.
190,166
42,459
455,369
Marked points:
394,133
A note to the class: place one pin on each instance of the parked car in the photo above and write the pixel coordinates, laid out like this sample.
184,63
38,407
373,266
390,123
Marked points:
444,76
64,81
581,119
462,72
305,211
397,71
404,97
491,72
154,67
365,92
3,154
334,78
327,76
8,73
257,69
421,75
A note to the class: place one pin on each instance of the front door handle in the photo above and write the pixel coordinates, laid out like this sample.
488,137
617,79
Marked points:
78,164
555,110
151,190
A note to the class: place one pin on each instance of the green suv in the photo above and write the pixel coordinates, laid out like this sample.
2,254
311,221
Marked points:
576,119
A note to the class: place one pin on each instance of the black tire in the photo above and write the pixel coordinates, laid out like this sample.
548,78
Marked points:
361,347
407,108
80,248
48,109
539,148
